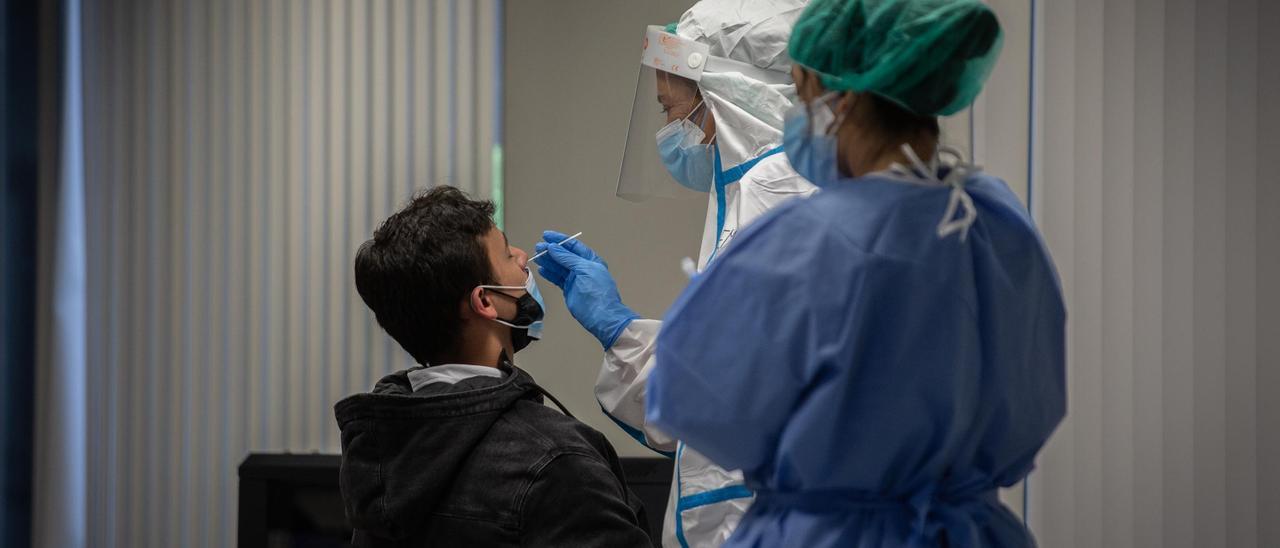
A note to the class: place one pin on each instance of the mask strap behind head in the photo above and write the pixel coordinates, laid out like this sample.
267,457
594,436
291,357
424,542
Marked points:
959,199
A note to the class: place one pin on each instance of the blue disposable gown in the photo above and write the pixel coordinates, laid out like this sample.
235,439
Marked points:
876,383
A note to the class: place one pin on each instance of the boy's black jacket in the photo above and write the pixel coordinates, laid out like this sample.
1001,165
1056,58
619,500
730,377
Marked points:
479,463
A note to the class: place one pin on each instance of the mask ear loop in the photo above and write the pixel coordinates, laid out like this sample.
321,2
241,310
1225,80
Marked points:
505,322
498,289
701,103
702,119
527,282
693,111
919,165
825,100
811,119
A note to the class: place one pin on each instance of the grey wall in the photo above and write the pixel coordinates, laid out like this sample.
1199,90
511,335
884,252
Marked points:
570,74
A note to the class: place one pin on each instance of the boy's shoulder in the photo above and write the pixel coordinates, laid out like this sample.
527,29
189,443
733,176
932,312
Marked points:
538,428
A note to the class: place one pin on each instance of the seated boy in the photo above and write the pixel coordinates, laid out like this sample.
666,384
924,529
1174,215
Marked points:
462,451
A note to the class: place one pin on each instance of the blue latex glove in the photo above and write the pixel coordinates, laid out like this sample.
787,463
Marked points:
590,293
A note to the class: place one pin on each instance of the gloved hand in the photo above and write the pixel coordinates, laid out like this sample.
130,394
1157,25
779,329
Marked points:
590,293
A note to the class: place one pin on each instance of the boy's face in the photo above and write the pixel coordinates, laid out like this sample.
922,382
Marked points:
508,264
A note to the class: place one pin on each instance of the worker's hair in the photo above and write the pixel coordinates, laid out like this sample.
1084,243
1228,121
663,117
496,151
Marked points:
894,124
888,118
420,264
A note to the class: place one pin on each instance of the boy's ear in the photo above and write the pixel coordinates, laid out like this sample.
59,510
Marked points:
478,304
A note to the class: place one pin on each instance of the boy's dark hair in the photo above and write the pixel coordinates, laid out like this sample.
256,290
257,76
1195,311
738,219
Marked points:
419,265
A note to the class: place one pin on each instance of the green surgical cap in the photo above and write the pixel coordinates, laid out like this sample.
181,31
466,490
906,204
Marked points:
929,56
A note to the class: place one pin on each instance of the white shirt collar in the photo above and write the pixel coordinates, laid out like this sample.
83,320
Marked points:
450,373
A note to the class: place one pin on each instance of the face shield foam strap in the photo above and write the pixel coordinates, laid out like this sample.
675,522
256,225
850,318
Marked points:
687,58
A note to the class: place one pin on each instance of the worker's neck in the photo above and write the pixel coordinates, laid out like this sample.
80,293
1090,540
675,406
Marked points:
866,163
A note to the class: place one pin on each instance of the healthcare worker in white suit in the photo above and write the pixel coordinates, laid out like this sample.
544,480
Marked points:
707,117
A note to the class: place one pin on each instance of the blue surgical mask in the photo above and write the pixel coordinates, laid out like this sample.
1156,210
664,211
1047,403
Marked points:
811,151
689,162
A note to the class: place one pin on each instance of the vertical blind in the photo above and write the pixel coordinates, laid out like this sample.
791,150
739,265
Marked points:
1156,125
237,152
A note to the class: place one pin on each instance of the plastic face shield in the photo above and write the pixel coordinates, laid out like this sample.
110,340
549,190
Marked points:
666,92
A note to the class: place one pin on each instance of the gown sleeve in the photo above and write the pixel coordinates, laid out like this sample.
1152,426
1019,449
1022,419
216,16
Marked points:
620,387
740,345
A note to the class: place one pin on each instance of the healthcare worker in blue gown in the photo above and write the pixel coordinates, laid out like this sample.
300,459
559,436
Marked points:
880,358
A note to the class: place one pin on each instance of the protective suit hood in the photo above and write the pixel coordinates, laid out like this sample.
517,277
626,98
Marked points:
748,111
734,54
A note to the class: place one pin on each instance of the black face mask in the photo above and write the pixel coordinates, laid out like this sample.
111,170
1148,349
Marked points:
526,326
529,314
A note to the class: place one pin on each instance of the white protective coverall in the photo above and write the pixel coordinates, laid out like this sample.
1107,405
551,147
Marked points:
706,501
